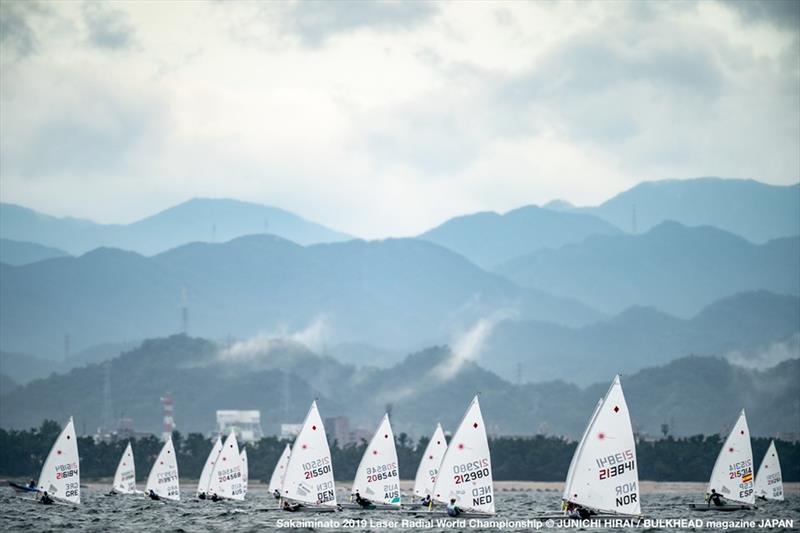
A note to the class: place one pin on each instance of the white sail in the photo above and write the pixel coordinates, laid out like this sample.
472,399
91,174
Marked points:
576,454
125,476
208,467
769,483
163,478
604,475
466,470
309,473
245,469
732,476
276,481
60,475
378,476
226,477
429,464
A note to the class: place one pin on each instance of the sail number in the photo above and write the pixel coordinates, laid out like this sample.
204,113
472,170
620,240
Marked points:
381,472
471,476
316,472
616,470
316,468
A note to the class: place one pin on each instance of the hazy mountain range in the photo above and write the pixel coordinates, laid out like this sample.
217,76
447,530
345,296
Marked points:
398,293
757,327
21,252
675,268
756,211
199,219
489,239
696,395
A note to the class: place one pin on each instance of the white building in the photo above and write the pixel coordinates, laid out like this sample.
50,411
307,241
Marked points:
247,424
290,431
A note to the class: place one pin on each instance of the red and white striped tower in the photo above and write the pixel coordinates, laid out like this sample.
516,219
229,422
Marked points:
169,422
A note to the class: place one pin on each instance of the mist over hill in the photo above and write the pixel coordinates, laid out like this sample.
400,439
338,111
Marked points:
199,219
756,211
398,293
745,327
675,268
489,239
694,394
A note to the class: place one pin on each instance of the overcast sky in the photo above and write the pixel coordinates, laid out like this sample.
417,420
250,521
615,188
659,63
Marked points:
387,118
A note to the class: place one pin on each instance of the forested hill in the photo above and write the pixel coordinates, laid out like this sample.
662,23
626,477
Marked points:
694,394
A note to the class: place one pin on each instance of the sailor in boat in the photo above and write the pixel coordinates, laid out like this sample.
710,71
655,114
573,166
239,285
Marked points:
574,510
153,496
277,494
716,498
202,495
46,499
363,502
453,509
31,484
291,507
426,500
215,498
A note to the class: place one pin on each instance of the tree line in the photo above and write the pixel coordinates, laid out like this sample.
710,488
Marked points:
539,458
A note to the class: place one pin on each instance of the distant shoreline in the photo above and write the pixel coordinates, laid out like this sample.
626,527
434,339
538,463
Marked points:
499,486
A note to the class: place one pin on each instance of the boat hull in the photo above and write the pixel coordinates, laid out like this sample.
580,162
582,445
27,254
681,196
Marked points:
21,488
704,507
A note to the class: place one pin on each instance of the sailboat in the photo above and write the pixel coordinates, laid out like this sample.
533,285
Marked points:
276,480
769,483
309,472
208,466
163,478
226,475
429,465
60,476
603,475
466,470
378,475
245,469
125,475
732,476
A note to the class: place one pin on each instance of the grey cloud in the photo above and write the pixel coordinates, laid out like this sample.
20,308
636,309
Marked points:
16,34
108,28
781,13
316,20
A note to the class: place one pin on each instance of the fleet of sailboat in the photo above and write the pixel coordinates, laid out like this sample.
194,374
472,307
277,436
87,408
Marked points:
602,479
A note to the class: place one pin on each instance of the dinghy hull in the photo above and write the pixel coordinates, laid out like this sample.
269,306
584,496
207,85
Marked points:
703,507
21,488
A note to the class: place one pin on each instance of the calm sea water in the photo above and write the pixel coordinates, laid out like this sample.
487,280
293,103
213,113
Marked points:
101,513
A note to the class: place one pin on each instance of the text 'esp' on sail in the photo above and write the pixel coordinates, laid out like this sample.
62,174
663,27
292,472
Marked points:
732,476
